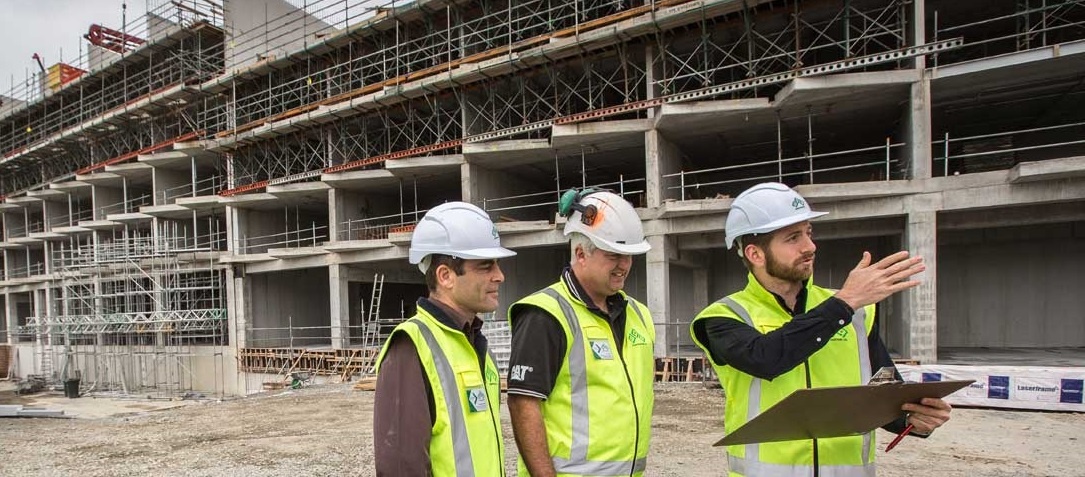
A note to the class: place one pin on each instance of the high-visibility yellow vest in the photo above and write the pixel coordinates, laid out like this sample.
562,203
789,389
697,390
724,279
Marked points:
843,361
598,416
466,437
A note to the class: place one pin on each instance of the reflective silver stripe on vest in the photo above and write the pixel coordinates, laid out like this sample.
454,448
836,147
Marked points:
761,469
578,462
858,321
636,309
461,446
753,451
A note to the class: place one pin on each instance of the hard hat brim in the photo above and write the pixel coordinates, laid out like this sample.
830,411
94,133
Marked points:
492,253
776,225
622,248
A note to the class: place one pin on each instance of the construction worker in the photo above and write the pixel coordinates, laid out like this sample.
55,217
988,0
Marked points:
783,333
437,409
582,363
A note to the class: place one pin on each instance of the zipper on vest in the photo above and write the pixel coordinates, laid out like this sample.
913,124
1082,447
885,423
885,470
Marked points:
636,413
817,467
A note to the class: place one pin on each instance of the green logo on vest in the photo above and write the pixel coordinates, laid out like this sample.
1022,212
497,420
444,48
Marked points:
600,349
798,203
476,399
841,335
636,338
491,376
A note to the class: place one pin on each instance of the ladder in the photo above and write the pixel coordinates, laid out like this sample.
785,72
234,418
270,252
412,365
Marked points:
372,336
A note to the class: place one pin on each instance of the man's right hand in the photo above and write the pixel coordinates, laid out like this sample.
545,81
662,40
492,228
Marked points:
870,283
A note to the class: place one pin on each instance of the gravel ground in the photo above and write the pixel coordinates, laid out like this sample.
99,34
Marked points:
326,430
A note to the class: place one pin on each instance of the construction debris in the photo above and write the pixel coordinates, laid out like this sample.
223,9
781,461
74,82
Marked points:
15,410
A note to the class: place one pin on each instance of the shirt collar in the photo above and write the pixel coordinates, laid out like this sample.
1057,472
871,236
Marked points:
614,302
445,315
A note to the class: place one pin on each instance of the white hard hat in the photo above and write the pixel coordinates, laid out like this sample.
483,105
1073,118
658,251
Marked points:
764,208
608,220
458,229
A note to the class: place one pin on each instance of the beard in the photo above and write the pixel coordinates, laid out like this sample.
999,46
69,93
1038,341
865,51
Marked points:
792,273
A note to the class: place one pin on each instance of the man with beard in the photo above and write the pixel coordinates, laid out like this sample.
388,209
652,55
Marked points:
582,362
782,333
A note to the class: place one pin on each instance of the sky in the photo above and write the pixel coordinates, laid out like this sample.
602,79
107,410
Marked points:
48,26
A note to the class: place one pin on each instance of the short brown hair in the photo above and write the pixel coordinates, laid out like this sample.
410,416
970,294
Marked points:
436,260
760,240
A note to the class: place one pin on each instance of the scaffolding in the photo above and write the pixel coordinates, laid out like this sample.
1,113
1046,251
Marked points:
137,312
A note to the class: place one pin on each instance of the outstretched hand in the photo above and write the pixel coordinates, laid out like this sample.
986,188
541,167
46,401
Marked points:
870,283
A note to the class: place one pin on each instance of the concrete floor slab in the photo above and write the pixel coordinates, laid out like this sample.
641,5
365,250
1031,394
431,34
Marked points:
519,227
128,217
47,194
683,116
510,153
168,211
424,165
815,193
296,252
364,180
599,136
1048,170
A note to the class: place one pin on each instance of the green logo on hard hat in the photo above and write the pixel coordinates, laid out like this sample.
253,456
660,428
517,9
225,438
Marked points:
494,231
798,203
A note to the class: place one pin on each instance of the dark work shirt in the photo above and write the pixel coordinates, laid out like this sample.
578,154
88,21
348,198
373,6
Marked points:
403,409
769,355
538,340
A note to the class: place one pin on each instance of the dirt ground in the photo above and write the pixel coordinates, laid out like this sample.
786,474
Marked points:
326,430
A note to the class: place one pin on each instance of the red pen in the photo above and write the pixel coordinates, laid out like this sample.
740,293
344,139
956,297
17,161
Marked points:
898,438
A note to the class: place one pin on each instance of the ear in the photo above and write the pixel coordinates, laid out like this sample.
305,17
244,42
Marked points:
754,254
579,254
445,276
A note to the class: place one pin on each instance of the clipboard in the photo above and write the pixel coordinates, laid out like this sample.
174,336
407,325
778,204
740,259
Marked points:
836,411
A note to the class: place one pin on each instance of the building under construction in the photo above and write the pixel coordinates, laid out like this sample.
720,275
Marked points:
221,193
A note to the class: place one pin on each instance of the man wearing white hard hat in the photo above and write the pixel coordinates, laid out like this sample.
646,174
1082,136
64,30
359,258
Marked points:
782,333
437,408
582,363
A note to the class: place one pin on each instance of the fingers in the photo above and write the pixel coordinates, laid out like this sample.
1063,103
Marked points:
864,262
892,259
927,416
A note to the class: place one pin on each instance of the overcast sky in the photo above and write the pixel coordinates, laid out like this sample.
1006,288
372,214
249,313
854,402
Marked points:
47,26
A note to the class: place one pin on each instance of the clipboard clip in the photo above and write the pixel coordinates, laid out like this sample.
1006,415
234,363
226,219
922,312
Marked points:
885,375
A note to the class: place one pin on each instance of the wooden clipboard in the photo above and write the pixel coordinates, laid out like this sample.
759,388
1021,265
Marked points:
836,411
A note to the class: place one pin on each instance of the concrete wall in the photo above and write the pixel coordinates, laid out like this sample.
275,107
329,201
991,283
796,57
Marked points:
297,298
271,28
1012,286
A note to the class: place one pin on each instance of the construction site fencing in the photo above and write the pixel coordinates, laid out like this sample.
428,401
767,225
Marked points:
70,220
206,186
627,188
26,271
880,160
377,228
312,236
1002,150
1008,27
126,206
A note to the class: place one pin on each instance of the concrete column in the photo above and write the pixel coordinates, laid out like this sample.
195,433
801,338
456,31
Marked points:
918,121
237,309
918,130
335,216
921,303
662,157
700,289
339,292
11,317
658,296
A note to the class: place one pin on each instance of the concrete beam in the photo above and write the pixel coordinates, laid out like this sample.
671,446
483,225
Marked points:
819,89
1051,169
424,165
360,180
600,136
508,154
681,116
